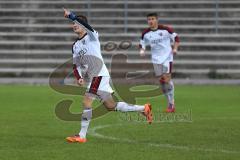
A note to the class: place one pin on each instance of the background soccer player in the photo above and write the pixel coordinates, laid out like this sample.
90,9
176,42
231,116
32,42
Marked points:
159,38
89,68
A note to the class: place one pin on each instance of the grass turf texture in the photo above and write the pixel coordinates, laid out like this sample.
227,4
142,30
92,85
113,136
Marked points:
29,128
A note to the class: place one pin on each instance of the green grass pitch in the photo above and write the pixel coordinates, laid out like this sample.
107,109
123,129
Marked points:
29,128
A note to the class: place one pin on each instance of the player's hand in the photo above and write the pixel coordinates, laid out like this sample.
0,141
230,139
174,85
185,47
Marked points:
142,52
80,82
66,12
174,51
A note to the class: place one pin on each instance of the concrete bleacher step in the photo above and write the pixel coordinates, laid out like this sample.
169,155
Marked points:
185,46
183,60
120,12
180,73
116,4
133,28
14,63
39,52
120,20
112,36
102,20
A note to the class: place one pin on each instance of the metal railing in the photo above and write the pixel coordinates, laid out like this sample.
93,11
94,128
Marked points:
216,16
89,10
125,16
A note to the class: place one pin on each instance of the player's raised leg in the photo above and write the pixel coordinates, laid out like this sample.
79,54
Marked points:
105,91
111,105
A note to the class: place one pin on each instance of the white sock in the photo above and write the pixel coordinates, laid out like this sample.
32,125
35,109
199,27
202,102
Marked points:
168,90
86,118
124,107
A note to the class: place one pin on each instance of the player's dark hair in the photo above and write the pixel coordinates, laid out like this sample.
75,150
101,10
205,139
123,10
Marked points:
83,18
154,14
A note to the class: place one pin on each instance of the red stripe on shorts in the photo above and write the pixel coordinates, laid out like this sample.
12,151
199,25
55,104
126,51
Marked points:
170,67
95,84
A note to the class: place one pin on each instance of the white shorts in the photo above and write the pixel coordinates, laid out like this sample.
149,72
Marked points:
165,67
100,88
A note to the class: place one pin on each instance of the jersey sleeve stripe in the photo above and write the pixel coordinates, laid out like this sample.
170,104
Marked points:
177,39
75,72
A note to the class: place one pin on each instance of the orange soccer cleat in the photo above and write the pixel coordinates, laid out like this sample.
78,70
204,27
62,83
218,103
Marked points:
171,108
76,139
148,112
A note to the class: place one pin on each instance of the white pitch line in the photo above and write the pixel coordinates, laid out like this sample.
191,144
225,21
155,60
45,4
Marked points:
93,132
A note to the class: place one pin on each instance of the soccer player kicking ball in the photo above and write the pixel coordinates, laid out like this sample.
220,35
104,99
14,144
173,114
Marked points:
159,38
86,68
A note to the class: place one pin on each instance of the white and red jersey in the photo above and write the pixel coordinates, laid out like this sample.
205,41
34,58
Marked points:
160,42
87,55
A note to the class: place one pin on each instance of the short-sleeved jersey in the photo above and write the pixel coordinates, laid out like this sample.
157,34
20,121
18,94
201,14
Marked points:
87,56
160,42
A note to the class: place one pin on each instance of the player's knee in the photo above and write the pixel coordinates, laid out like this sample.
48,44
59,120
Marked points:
87,101
86,104
110,106
165,78
161,80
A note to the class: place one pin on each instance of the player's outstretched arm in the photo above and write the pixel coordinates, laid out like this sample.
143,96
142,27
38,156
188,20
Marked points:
74,18
91,32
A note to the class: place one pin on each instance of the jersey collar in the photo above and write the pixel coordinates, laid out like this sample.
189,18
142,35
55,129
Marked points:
82,37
